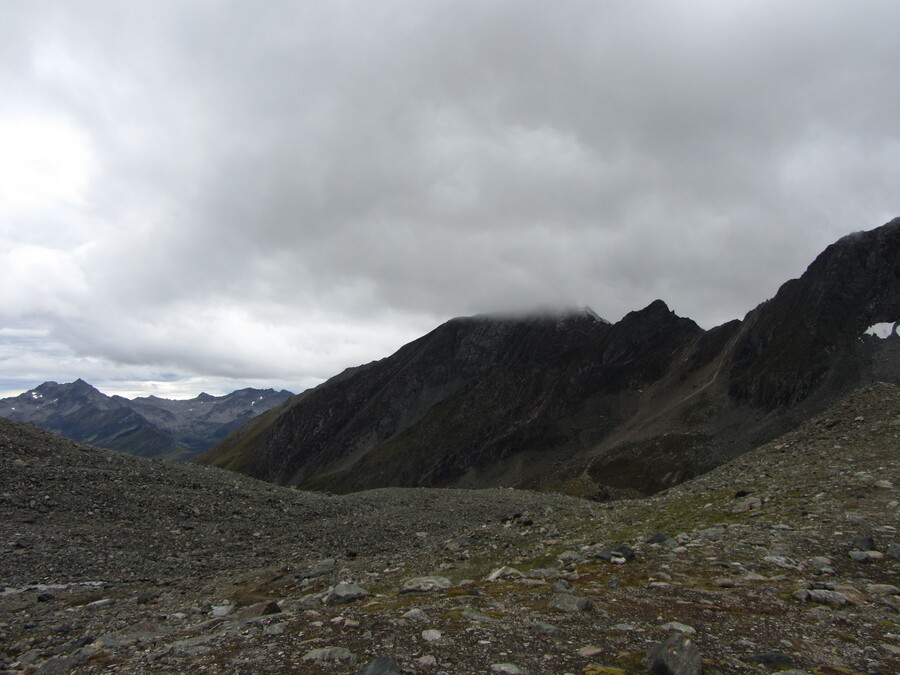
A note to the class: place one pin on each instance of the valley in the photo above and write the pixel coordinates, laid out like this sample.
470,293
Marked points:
784,558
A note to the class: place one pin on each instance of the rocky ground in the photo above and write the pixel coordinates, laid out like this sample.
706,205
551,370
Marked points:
784,560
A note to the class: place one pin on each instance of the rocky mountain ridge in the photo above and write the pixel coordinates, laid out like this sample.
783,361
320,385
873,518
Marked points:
573,403
784,559
146,426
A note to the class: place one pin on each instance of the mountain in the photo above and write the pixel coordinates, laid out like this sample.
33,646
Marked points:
570,402
147,427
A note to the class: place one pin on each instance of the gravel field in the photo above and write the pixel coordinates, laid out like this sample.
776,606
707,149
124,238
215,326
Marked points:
785,559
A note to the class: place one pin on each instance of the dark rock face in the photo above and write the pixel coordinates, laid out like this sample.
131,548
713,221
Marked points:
146,427
811,328
571,402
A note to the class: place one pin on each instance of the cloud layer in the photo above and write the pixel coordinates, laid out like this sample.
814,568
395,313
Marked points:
227,193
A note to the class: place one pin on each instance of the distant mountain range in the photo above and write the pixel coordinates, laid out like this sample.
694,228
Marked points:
146,427
568,401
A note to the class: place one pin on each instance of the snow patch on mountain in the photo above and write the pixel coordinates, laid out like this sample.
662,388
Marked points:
883,330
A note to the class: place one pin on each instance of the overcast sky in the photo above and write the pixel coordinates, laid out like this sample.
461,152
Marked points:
200,195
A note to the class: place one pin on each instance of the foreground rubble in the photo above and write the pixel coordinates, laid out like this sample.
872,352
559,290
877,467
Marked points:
784,560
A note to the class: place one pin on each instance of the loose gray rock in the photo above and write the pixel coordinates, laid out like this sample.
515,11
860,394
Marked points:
504,572
568,558
625,551
343,593
863,543
677,655
62,664
823,597
415,614
258,609
324,655
866,557
321,568
383,665
431,635
479,617
882,589
773,660
566,602
425,584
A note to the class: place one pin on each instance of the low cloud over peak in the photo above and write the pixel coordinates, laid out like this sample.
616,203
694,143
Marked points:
228,191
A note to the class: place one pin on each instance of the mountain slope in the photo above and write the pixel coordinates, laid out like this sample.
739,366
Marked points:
571,402
786,557
146,427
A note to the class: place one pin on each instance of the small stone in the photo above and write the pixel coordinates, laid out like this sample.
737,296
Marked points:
415,614
752,504
431,635
319,569
863,543
343,593
507,668
476,616
773,660
884,484
220,611
893,550
425,584
545,628
504,572
624,551
566,602
62,664
882,589
682,628
711,533
866,557
427,661
561,586
752,576
383,665
657,538
589,651
98,604
822,597
258,609
783,562
275,629
677,655
568,558
819,562
324,655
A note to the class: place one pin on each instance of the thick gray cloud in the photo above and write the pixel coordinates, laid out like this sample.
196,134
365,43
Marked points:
211,194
